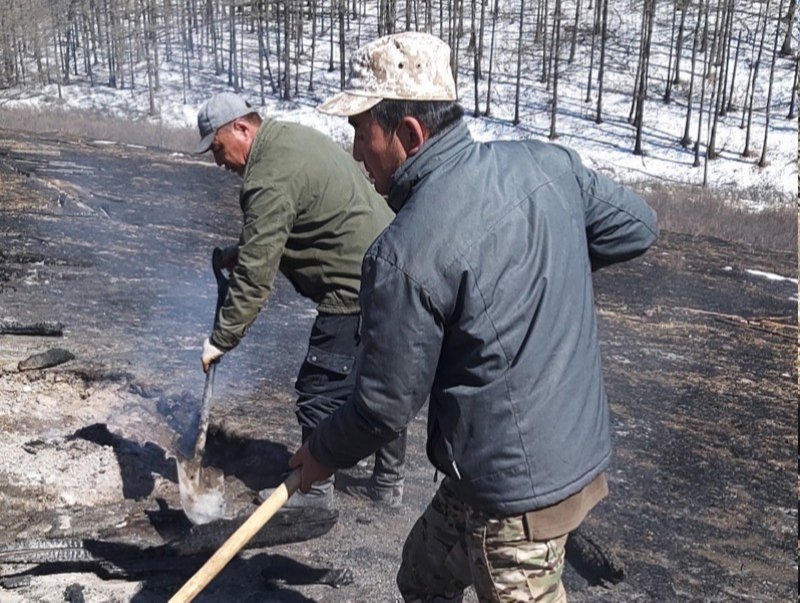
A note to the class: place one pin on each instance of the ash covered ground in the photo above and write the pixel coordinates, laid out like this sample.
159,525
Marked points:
114,243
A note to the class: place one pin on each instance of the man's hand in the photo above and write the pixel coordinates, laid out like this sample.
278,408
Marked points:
311,469
211,354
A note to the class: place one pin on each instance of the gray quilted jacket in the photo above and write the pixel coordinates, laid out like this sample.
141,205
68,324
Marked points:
479,293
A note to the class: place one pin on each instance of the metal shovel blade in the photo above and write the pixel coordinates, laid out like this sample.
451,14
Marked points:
202,489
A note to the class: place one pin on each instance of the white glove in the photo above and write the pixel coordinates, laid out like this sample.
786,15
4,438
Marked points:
211,354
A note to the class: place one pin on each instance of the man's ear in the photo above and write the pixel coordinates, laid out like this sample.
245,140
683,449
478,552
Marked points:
412,135
242,128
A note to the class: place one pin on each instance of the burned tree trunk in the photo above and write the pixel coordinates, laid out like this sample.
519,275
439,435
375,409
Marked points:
601,68
519,60
746,152
488,110
686,139
762,162
556,43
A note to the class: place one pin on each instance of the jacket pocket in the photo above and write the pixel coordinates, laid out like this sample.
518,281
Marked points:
440,450
341,364
325,381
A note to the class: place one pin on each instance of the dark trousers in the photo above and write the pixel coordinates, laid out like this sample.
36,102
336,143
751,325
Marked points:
327,379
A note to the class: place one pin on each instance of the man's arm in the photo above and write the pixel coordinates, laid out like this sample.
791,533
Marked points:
619,224
401,337
268,218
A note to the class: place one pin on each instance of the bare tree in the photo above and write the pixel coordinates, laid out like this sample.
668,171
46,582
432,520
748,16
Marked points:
680,7
601,68
186,81
796,80
341,9
287,46
488,110
541,34
707,62
519,60
119,43
131,39
387,16
330,53
233,73
641,92
298,29
216,45
727,105
261,49
556,51
746,152
786,47
86,31
595,30
153,19
762,162
313,44
476,70
575,27
40,52
455,29
718,93
168,33
686,139
148,57
481,32
265,45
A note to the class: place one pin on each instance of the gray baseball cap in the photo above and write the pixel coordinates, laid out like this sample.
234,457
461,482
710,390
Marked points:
219,110
406,66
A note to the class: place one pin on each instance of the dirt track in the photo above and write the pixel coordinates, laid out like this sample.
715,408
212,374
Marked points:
114,243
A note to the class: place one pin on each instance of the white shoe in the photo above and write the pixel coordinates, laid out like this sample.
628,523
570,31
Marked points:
320,496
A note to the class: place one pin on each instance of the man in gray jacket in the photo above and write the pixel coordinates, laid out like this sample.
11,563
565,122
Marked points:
309,211
479,294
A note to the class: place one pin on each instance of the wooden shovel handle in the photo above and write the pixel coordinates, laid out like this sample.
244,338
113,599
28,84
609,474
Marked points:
237,540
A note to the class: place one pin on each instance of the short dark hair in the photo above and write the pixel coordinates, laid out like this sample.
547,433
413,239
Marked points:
254,119
435,116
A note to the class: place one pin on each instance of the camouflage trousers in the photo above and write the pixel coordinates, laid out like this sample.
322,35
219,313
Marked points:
452,546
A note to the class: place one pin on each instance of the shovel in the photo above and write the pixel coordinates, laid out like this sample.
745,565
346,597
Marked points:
202,489
237,540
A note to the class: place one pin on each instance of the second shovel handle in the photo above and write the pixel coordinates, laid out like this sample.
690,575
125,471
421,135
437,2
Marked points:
237,540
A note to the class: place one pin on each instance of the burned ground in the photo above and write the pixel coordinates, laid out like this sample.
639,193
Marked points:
114,243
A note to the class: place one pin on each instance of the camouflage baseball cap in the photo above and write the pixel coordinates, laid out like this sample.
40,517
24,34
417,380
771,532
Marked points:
405,66
219,110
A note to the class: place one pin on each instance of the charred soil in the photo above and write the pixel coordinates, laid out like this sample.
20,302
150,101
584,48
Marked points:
113,242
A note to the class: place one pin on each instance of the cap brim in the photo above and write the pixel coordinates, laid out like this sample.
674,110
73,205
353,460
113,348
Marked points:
348,104
204,144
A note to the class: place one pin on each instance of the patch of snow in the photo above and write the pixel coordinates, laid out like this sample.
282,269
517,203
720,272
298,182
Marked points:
771,276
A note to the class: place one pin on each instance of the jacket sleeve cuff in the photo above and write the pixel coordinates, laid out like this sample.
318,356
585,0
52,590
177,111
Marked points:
346,437
217,344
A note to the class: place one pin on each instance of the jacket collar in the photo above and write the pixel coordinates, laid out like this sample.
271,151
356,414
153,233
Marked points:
259,145
436,151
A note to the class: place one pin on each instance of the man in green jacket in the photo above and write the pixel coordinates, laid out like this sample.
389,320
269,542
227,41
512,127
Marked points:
310,212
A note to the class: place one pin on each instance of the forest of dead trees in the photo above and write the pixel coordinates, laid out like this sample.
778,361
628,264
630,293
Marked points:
711,56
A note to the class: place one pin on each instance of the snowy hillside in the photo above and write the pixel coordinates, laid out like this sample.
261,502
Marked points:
607,146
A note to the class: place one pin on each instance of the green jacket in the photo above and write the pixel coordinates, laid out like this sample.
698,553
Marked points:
308,210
